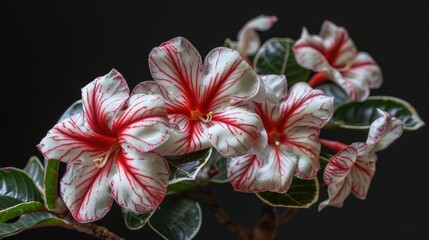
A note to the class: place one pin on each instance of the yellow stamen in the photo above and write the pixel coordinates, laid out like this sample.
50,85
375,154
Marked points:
196,115
101,161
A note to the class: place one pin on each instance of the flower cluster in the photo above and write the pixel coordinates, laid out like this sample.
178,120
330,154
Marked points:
117,148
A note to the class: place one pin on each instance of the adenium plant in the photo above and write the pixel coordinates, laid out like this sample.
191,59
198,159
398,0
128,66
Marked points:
249,115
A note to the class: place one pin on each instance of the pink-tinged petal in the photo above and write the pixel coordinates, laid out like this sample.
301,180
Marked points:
85,189
248,39
186,136
235,130
361,175
364,67
337,193
309,52
276,87
384,131
340,49
242,173
141,182
72,140
228,79
176,65
102,98
143,124
302,115
339,165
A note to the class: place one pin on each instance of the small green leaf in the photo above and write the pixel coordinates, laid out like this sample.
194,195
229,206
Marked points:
34,169
217,164
51,182
29,221
136,221
19,209
176,218
276,57
186,167
227,43
301,194
355,115
75,108
330,89
180,187
16,183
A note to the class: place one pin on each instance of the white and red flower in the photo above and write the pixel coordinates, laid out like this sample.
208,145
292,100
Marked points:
292,124
108,150
334,56
353,167
248,41
207,106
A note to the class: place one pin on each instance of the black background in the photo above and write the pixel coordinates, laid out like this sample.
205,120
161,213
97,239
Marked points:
52,49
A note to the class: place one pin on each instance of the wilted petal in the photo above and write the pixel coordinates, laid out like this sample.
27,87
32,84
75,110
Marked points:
361,175
384,131
340,49
102,98
337,193
141,182
248,39
143,124
235,130
72,140
302,115
228,79
339,165
85,189
176,65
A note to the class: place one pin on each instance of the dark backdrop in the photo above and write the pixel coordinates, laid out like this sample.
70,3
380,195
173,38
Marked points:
52,49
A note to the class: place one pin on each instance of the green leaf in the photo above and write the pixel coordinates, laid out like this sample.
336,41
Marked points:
19,209
34,169
136,221
355,115
276,57
227,43
217,164
16,183
28,221
50,183
301,194
7,202
186,167
180,187
75,108
330,89
176,218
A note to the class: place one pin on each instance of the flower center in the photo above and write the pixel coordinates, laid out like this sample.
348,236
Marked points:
101,161
197,116
274,137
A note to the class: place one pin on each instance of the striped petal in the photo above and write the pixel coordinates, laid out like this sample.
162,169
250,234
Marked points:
361,175
248,38
337,193
310,51
102,98
176,65
85,190
72,140
303,114
242,173
228,79
340,49
141,182
143,124
235,130
384,131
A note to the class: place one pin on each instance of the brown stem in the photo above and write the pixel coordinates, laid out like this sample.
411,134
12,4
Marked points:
266,226
222,216
88,228
286,216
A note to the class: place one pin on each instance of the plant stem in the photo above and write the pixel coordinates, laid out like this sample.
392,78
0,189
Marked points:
266,226
222,216
317,79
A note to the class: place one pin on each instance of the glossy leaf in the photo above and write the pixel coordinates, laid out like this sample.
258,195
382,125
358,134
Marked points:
136,221
330,89
176,218
75,108
217,171
301,194
187,166
7,202
355,115
34,169
28,221
16,183
51,182
276,57
19,209
180,187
